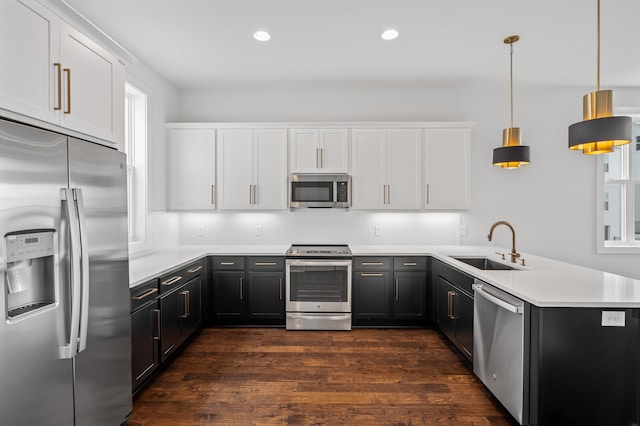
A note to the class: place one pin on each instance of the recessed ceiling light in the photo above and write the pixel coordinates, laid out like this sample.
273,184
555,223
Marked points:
261,35
389,34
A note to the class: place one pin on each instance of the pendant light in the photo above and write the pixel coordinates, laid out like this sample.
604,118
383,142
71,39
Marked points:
511,154
600,131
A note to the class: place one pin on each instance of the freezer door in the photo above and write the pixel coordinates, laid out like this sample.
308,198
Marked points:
37,383
103,369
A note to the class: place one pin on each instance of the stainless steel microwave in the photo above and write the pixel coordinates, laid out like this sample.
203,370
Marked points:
320,191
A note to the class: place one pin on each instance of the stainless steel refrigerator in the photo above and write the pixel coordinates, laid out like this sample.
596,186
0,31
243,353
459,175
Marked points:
65,335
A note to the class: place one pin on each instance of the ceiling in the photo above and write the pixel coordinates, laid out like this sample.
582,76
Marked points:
336,43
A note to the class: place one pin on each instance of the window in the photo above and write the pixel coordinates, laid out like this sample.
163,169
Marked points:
135,148
619,220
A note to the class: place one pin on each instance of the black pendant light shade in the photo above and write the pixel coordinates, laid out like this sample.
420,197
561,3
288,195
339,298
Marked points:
600,135
511,157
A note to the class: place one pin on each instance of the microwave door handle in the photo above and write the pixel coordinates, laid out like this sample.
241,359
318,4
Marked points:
335,191
84,266
69,350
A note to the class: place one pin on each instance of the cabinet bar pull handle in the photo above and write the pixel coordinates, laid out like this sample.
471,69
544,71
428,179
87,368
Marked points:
388,194
371,275
255,194
317,161
213,195
145,294
321,158
227,263
241,285
59,75
280,288
426,190
372,263
196,269
68,72
185,308
397,279
157,336
172,280
250,194
410,264
450,295
384,194
265,264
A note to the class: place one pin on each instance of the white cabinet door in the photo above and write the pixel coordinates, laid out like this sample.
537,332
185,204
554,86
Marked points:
191,162
334,150
93,87
235,169
319,150
404,169
368,168
304,150
270,169
29,40
447,169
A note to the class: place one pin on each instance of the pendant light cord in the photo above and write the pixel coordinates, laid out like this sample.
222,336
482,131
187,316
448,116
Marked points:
511,79
598,73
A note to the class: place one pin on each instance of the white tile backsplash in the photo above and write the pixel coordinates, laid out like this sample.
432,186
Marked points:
319,226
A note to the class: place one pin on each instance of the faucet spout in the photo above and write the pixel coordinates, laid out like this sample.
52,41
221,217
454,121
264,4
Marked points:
514,253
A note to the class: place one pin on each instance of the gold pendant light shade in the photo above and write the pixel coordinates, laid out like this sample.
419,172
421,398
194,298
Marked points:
511,154
600,131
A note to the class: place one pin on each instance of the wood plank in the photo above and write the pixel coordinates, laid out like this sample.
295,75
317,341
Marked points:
254,376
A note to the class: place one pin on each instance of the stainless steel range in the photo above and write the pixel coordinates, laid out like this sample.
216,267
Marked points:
318,287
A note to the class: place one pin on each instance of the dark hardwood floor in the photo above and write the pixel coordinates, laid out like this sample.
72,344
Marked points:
269,376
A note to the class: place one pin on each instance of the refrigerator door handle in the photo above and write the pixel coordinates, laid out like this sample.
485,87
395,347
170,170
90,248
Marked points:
69,350
84,257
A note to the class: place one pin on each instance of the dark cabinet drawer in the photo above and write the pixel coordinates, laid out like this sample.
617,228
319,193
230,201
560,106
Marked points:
143,294
195,269
460,279
265,263
227,263
412,263
371,263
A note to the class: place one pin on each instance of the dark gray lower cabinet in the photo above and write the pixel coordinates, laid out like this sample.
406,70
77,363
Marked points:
583,373
454,306
247,290
145,329
266,295
160,324
389,291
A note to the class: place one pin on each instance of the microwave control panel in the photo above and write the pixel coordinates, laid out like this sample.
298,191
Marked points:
343,192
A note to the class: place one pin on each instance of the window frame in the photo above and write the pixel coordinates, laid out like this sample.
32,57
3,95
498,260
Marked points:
629,245
136,150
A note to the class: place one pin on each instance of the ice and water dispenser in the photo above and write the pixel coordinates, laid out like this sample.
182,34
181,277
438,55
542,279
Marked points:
30,272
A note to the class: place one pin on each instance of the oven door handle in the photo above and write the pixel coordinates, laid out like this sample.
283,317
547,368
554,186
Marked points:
314,317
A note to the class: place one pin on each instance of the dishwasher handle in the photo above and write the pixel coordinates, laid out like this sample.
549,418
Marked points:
479,291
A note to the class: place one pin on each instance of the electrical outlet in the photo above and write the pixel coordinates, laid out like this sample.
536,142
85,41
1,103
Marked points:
613,318
463,230
258,230
377,230
200,231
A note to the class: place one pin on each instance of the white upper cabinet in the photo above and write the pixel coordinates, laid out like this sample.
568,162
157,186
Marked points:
319,150
386,168
252,169
191,169
447,169
51,72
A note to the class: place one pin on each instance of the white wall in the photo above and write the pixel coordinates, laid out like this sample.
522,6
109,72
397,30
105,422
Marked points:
551,202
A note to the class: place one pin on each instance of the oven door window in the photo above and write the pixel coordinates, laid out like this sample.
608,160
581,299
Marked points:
319,284
312,191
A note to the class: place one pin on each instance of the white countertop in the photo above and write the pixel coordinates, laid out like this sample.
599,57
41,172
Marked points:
542,282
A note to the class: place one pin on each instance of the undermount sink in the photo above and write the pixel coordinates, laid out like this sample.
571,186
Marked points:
485,264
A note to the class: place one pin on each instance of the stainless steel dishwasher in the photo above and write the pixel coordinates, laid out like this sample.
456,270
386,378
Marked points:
498,345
